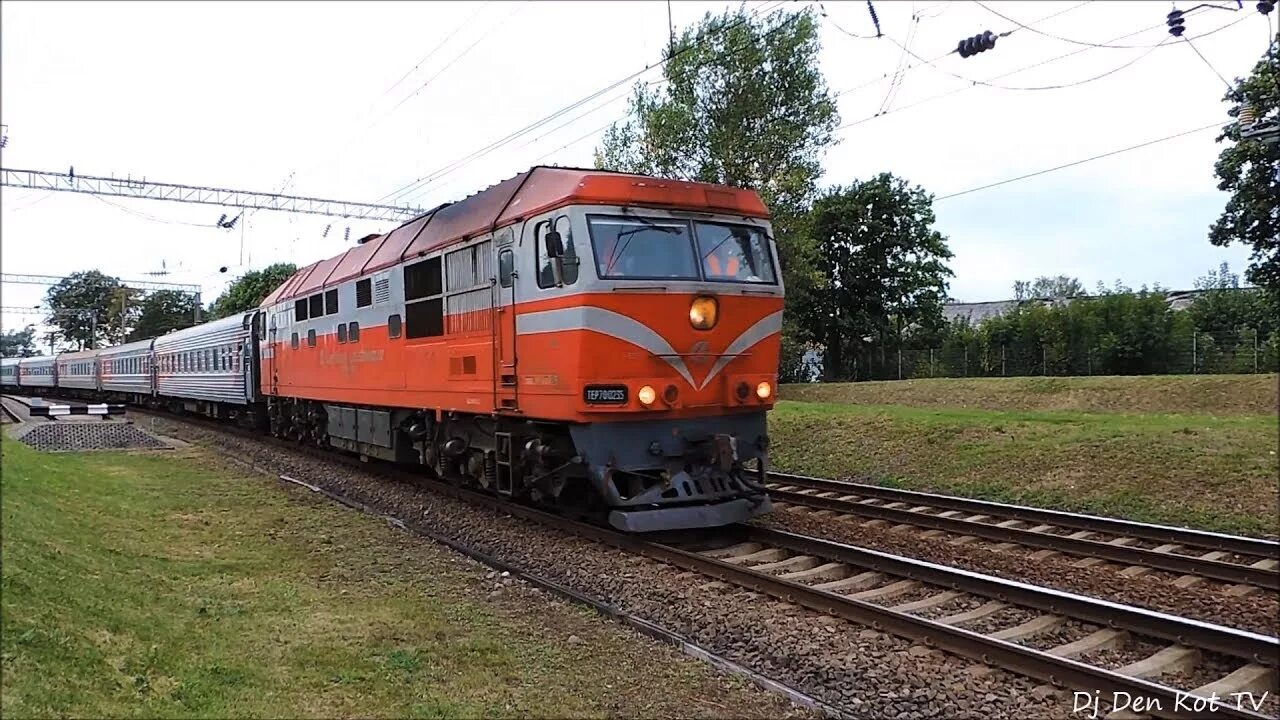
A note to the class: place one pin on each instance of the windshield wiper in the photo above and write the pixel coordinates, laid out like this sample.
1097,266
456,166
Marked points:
620,248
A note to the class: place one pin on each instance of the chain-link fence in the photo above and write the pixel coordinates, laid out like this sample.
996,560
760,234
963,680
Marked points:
1242,351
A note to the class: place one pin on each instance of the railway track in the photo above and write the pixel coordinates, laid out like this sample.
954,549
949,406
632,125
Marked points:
910,598
1249,564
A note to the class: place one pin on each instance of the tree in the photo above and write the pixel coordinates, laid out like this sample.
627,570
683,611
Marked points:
1250,170
1059,287
882,264
85,306
163,311
18,343
746,105
247,291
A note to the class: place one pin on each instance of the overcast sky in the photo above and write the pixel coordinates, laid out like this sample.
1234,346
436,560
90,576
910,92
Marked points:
335,100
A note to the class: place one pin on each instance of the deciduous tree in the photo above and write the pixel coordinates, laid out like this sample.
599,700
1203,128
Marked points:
18,343
247,291
1249,169
163,311
85,307
745,104
882,263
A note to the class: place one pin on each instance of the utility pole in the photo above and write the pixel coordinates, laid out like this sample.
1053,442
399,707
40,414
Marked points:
671,33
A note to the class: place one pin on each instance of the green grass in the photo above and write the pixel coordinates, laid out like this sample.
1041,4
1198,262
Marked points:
1196,394
1197,470
166,585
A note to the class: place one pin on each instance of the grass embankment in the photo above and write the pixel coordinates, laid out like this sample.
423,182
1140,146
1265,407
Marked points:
169,586
1195,451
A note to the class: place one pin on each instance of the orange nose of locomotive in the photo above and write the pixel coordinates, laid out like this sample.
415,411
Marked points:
685,354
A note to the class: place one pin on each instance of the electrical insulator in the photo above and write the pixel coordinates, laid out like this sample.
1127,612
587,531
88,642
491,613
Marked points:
1246,117
1175,22
1266,6
346,236
973,45
326,230
222,221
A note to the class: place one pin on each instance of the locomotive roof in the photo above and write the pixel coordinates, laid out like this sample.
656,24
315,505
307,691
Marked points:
536,190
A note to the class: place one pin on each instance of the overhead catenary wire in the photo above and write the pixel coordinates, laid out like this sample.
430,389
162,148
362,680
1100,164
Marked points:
1230,88
425,180
1215,124
1016,71
1110,44
916,65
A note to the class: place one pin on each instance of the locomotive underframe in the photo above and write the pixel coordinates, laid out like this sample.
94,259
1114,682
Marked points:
641,476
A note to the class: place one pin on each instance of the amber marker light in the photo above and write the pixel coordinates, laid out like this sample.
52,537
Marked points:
764,390
704,312
647,395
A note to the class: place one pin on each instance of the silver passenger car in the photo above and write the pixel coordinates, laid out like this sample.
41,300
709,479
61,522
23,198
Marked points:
36,371
127,368
78,370
206,362
9,372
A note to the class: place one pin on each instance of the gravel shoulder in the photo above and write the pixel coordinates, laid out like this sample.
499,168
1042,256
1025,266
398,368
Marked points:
866,672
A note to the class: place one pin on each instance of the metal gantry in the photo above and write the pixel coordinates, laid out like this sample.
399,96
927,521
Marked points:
149,190
16,279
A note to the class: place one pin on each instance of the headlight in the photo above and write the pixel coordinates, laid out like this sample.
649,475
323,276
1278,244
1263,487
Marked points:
647,395
764,390
704,312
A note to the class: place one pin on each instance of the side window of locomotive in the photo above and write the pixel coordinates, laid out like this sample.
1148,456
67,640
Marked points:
331,302
570,260
353,331
546,276
506,267
311,337
300,310
364,293
393,327
424,299
293,341
342,332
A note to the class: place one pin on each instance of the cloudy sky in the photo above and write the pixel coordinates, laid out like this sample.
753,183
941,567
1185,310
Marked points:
356,101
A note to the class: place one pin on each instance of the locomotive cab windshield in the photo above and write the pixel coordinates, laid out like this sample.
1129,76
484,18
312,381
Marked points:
633,247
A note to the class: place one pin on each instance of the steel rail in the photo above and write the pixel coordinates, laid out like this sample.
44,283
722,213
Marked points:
1146,531
1058,671
1251,646
1185,564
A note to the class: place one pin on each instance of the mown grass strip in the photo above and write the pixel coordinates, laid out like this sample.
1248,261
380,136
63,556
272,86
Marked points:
171,586
1206,472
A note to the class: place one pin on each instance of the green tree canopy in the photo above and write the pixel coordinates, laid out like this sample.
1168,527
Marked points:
1057,287
85,307
1249,169
745,104
18,343
882,263
163,311
247,291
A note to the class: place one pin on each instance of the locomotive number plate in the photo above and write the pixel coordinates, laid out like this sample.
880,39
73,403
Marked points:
605,394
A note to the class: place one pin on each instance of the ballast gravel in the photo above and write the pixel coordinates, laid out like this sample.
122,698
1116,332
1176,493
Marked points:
862,671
